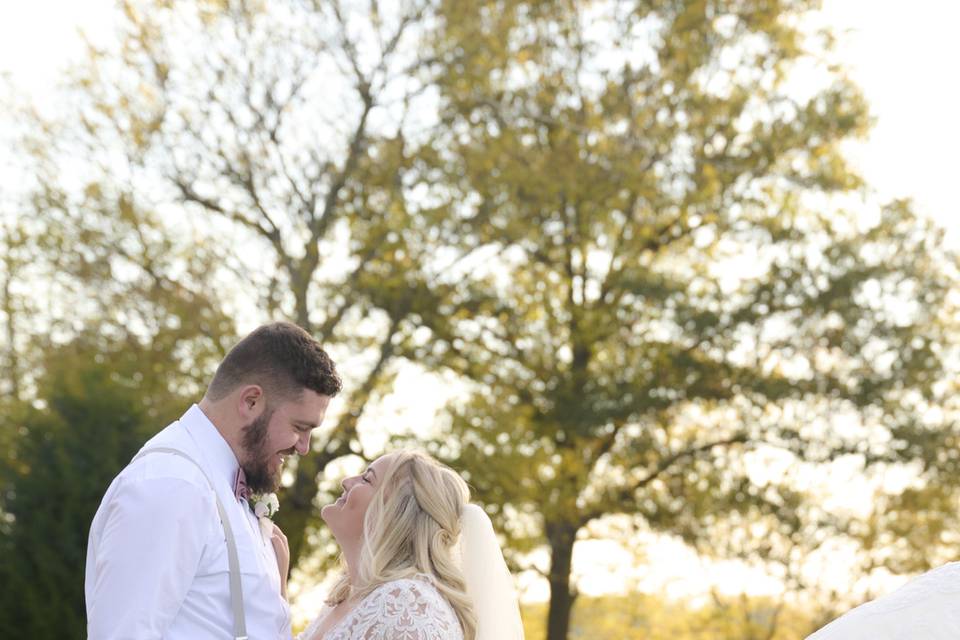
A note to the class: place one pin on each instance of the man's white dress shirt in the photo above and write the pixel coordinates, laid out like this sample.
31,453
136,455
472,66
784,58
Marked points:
157,555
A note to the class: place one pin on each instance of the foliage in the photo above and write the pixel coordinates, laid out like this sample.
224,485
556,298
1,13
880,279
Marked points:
674,288
95,406
218,166
641,616
623,225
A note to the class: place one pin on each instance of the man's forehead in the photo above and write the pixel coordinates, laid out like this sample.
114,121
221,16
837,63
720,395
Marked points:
310,404
308,412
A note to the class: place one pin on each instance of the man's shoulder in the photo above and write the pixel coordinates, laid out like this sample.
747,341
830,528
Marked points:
152,465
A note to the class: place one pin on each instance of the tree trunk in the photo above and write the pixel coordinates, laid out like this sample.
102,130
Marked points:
13,364
300,286
298,499
561,537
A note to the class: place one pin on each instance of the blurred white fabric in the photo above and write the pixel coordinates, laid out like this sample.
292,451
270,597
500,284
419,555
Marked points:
489,582
927,607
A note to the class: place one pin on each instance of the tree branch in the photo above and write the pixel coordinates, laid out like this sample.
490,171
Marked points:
627,494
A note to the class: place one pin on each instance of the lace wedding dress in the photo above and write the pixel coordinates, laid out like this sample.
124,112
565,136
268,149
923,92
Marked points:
409,609
927,607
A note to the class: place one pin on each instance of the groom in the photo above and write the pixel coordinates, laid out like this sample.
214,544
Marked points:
175,551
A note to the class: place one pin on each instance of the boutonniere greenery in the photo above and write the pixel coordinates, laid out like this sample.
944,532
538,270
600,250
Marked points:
264,506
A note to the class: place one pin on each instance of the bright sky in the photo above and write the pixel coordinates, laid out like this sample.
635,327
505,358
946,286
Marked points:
903,54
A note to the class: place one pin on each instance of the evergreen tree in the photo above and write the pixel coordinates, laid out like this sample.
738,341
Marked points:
96,406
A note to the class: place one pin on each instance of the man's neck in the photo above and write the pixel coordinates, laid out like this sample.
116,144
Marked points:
216,415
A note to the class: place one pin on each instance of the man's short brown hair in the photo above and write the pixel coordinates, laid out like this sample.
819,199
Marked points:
281,358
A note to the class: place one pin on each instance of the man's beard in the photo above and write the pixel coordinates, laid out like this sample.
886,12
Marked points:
256,467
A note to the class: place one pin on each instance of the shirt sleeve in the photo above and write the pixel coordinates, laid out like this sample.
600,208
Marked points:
146,557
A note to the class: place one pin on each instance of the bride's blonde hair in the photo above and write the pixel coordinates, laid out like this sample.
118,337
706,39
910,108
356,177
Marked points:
411,526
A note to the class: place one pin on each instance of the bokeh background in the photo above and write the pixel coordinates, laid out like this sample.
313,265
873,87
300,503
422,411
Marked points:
673,283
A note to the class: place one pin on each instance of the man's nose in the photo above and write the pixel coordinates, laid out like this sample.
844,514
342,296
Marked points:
303,444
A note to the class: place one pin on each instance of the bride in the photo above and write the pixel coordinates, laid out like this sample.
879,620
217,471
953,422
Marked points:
405,575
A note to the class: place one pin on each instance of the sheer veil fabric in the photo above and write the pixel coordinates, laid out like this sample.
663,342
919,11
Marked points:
927,607
489,583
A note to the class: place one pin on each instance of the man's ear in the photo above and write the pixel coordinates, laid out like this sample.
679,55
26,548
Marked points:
250,401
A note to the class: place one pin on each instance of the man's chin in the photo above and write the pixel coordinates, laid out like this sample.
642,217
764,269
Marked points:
264,480
272,487
276,467
276,473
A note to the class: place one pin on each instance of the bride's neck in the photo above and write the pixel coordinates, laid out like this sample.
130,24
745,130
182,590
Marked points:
351,556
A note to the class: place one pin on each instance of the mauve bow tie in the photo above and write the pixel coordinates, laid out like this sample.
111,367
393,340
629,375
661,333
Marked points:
240,489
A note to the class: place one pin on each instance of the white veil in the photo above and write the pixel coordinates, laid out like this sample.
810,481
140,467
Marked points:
489,583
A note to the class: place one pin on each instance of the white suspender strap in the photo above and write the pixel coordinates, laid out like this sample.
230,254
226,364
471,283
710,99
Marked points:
236,591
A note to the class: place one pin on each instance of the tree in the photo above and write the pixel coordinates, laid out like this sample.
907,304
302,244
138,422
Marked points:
641,616
19,245
674,286
111,327
215,122
97,403
553,200
15,252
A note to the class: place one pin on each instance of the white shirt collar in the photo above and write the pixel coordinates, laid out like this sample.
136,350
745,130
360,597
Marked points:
219,456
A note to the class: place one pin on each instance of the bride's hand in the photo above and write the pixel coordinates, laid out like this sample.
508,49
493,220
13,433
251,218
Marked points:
282,550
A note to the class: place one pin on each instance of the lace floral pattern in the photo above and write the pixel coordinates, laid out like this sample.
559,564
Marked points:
409,609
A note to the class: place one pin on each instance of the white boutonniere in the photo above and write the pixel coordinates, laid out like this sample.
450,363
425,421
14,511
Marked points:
265,505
